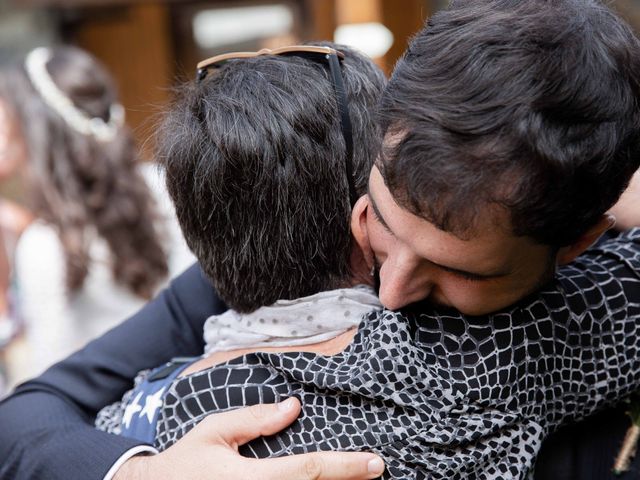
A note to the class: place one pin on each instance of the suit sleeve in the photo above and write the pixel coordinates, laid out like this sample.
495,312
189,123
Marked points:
47,423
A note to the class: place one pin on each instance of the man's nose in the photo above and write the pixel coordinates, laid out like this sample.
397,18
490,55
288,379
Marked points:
400,286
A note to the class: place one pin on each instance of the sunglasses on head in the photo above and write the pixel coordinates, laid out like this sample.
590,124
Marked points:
326,56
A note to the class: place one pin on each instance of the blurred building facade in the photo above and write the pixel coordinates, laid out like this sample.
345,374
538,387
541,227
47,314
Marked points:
150,46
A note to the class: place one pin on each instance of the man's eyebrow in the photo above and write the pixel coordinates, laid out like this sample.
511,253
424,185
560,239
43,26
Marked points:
376,211
453,270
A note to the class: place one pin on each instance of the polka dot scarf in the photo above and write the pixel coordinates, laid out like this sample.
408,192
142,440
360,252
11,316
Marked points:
302,321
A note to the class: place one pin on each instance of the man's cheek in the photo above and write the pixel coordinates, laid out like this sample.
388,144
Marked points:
380,249
467,297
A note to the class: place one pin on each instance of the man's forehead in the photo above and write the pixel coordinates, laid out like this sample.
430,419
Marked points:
488,246
490,219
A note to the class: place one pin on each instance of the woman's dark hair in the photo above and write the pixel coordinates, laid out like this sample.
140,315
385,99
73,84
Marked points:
78,182
533,105
255,160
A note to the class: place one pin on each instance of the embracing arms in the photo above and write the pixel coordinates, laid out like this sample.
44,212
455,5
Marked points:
47,424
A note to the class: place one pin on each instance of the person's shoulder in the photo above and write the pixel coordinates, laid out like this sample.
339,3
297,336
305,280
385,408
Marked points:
154,177
38,240
385,324
180,256
615,257
39,261
632,234
613,236
624,244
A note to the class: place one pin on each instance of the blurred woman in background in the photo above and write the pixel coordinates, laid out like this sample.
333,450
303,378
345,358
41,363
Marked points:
94,252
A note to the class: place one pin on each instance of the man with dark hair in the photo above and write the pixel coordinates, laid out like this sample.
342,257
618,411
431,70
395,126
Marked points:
524,148
512,127
258,142
230,151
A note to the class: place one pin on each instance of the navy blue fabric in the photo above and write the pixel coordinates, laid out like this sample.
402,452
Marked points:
141,416
46,426
586,450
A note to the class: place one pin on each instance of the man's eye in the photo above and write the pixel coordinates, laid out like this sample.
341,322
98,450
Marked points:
470,277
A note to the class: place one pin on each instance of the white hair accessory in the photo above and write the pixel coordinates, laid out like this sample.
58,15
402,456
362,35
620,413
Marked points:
36,66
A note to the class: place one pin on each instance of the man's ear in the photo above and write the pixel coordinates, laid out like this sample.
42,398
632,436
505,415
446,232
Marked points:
570,252
360,232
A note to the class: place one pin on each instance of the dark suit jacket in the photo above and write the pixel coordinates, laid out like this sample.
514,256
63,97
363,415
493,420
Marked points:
46,426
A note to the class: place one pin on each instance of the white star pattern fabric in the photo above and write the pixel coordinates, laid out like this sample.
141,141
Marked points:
133,408
151,405
138,412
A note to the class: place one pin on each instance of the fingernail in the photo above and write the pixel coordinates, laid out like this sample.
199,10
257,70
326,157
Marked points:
287,405
375,466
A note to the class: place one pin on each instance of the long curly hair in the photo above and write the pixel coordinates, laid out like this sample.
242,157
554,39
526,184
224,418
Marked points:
78,183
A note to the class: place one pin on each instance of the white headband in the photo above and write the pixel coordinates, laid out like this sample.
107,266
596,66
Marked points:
36,66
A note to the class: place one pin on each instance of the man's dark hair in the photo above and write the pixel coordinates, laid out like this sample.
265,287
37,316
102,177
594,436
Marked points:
255,160
529,104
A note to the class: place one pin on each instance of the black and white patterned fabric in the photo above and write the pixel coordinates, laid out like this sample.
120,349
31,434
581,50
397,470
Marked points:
443,396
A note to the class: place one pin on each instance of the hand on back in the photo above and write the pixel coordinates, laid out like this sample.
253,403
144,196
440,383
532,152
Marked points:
210,451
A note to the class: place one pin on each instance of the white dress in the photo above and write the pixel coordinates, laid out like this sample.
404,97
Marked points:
58,322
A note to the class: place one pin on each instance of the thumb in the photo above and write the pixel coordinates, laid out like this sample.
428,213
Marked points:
240,426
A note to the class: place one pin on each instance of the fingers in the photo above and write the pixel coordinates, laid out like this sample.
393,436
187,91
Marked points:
323,466
240,426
